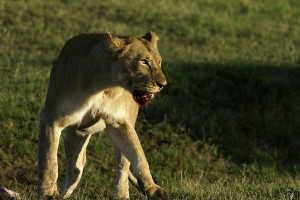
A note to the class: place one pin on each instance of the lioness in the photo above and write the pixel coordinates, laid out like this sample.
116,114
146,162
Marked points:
98,82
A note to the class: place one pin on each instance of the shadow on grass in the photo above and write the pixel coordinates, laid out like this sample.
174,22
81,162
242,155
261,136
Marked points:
251,112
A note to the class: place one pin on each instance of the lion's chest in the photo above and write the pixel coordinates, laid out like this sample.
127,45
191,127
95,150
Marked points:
109,107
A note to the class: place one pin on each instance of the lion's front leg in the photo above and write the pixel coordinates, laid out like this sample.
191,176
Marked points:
126,141
47,159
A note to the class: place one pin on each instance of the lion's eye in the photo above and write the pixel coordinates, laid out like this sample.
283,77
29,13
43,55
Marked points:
144,62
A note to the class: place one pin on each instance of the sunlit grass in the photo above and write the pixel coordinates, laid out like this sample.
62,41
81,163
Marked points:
227,125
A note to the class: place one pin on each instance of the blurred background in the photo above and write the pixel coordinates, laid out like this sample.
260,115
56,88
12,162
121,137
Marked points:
227,126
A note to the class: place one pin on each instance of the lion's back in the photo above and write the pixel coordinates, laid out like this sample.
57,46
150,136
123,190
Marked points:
83,43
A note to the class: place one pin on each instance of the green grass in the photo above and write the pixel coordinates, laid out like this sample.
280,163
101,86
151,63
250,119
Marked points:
226,127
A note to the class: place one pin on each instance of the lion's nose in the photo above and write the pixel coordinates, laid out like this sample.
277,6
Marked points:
161,83
161,80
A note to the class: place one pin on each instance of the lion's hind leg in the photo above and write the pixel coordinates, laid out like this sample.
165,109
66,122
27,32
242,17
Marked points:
121,185
75,149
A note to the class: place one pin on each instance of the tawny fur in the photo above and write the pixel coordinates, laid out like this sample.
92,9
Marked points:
90,90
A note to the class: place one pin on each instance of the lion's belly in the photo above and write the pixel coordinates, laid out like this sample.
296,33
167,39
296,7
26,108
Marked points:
98,126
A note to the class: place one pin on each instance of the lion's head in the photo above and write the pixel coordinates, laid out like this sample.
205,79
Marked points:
137,65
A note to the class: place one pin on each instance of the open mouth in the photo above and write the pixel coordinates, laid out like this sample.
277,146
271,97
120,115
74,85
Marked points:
142,97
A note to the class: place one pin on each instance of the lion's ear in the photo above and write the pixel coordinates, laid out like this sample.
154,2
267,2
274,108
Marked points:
114,43
151,37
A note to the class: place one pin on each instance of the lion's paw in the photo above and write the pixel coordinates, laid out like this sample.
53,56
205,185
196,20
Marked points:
155,193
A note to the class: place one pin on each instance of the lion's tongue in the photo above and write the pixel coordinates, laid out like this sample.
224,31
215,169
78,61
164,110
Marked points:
145,96
142,98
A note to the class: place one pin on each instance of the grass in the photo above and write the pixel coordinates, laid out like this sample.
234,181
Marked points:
226,127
